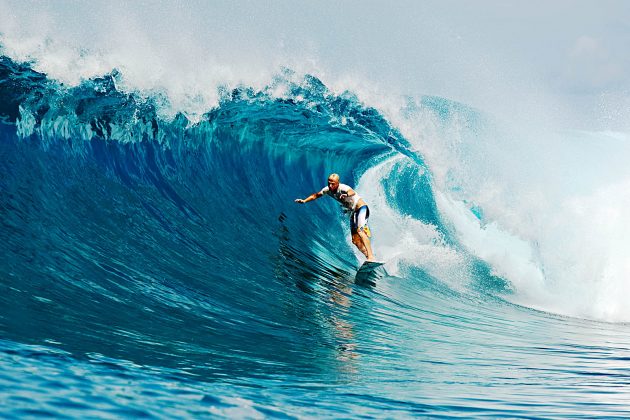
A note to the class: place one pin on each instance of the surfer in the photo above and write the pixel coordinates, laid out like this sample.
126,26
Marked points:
353,203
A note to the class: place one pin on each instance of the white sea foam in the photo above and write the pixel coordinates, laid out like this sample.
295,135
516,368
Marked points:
555,221
401,240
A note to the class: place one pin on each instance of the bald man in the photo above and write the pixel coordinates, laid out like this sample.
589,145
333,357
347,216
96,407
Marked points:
359,212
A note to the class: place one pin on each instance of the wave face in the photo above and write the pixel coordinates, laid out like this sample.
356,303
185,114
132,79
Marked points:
155,266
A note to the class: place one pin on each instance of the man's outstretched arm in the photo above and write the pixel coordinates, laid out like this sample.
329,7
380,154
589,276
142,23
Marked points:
311,197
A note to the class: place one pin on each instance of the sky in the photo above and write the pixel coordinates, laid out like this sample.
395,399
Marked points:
566,58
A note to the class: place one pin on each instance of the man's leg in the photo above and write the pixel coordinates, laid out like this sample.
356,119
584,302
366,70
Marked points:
366,244
356,240
360,221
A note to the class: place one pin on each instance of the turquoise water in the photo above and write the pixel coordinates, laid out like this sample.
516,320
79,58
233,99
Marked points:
159,267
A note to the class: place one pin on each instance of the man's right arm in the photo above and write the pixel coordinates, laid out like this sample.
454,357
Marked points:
311,197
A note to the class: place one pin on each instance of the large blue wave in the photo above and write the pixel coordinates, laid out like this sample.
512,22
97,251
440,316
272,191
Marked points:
149,249
125,224
176,243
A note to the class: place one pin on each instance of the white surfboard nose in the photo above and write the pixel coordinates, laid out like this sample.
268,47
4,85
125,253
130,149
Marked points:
370,271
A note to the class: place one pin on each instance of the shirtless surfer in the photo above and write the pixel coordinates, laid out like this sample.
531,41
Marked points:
359,212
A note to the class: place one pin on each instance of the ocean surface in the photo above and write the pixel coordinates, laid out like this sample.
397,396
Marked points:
157,266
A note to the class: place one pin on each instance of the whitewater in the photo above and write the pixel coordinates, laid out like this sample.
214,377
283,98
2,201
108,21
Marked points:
153,262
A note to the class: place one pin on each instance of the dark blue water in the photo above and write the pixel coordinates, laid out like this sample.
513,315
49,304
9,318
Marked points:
160,268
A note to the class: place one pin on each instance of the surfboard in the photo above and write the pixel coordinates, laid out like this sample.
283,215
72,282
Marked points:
369,272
